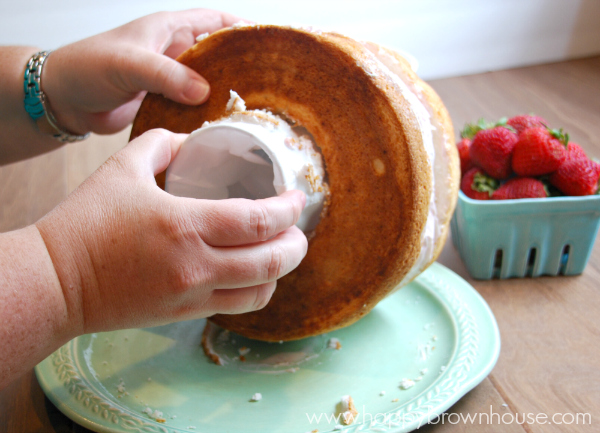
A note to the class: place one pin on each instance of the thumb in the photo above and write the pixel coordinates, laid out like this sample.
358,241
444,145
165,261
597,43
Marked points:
160,74
151,152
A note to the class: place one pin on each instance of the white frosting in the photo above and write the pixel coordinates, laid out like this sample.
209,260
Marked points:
433,228
294,169
382,64
251,154
235,103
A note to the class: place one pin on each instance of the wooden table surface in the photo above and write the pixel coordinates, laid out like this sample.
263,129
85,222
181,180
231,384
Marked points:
549,364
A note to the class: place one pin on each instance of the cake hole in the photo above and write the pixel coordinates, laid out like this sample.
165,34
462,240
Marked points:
531,262
564,260
497,264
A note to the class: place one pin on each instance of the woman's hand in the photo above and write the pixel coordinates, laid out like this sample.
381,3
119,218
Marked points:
127,254
97,84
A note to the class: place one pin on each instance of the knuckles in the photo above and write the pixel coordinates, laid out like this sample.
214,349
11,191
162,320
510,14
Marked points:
277,264
260,221
263,295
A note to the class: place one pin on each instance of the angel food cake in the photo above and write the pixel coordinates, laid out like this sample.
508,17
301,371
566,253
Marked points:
389,167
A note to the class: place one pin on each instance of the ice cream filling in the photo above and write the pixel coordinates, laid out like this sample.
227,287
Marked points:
249,154
432,135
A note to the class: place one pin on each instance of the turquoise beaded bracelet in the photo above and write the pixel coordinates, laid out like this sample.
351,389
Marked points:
36,103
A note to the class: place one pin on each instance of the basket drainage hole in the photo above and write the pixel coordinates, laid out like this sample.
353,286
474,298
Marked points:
497,264
564,259
531,262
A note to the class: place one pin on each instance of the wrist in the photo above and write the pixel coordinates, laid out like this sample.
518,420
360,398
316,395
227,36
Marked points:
65,277
37,103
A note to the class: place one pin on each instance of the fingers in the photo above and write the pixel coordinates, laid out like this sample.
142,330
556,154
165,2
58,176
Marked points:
242,300
109,122
240,222
171,33
160,74
250,265
152,152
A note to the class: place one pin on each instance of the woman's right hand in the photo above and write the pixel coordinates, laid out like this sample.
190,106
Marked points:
128,254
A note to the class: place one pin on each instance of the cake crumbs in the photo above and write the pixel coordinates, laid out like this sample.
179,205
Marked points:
334,343
407,384
395,400
382,393
121,387
256,397
291,143
313,179
155,415
349,413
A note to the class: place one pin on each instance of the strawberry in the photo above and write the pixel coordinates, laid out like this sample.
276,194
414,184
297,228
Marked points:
539,151
491,150
575,151
522,122
520,187
464,146
577,177
477,185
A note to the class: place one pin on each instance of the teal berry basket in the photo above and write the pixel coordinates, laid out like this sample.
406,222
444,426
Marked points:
526,237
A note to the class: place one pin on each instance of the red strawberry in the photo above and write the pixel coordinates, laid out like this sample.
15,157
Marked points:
577,177
491,150
575,151
464,146
539,151
477,185
520,187
526,121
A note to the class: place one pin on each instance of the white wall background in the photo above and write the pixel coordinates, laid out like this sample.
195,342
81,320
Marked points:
448,37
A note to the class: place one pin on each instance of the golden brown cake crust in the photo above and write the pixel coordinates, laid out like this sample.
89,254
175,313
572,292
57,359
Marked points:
447,176
377,169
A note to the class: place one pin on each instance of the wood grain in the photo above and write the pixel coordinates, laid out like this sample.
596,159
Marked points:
549,325
31,188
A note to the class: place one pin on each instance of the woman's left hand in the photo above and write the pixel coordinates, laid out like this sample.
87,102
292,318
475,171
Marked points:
97,84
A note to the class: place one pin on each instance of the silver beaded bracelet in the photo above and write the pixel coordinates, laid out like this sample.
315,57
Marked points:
36,103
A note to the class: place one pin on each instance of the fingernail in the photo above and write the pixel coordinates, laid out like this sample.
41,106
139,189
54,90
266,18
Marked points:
196,91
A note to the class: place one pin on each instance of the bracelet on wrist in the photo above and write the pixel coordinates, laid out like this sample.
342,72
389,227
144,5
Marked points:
36,102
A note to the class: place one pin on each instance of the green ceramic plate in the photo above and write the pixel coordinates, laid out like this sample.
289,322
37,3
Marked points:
436,334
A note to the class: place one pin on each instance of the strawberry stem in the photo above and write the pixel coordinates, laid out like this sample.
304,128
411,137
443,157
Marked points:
470,129
484,183
561,136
